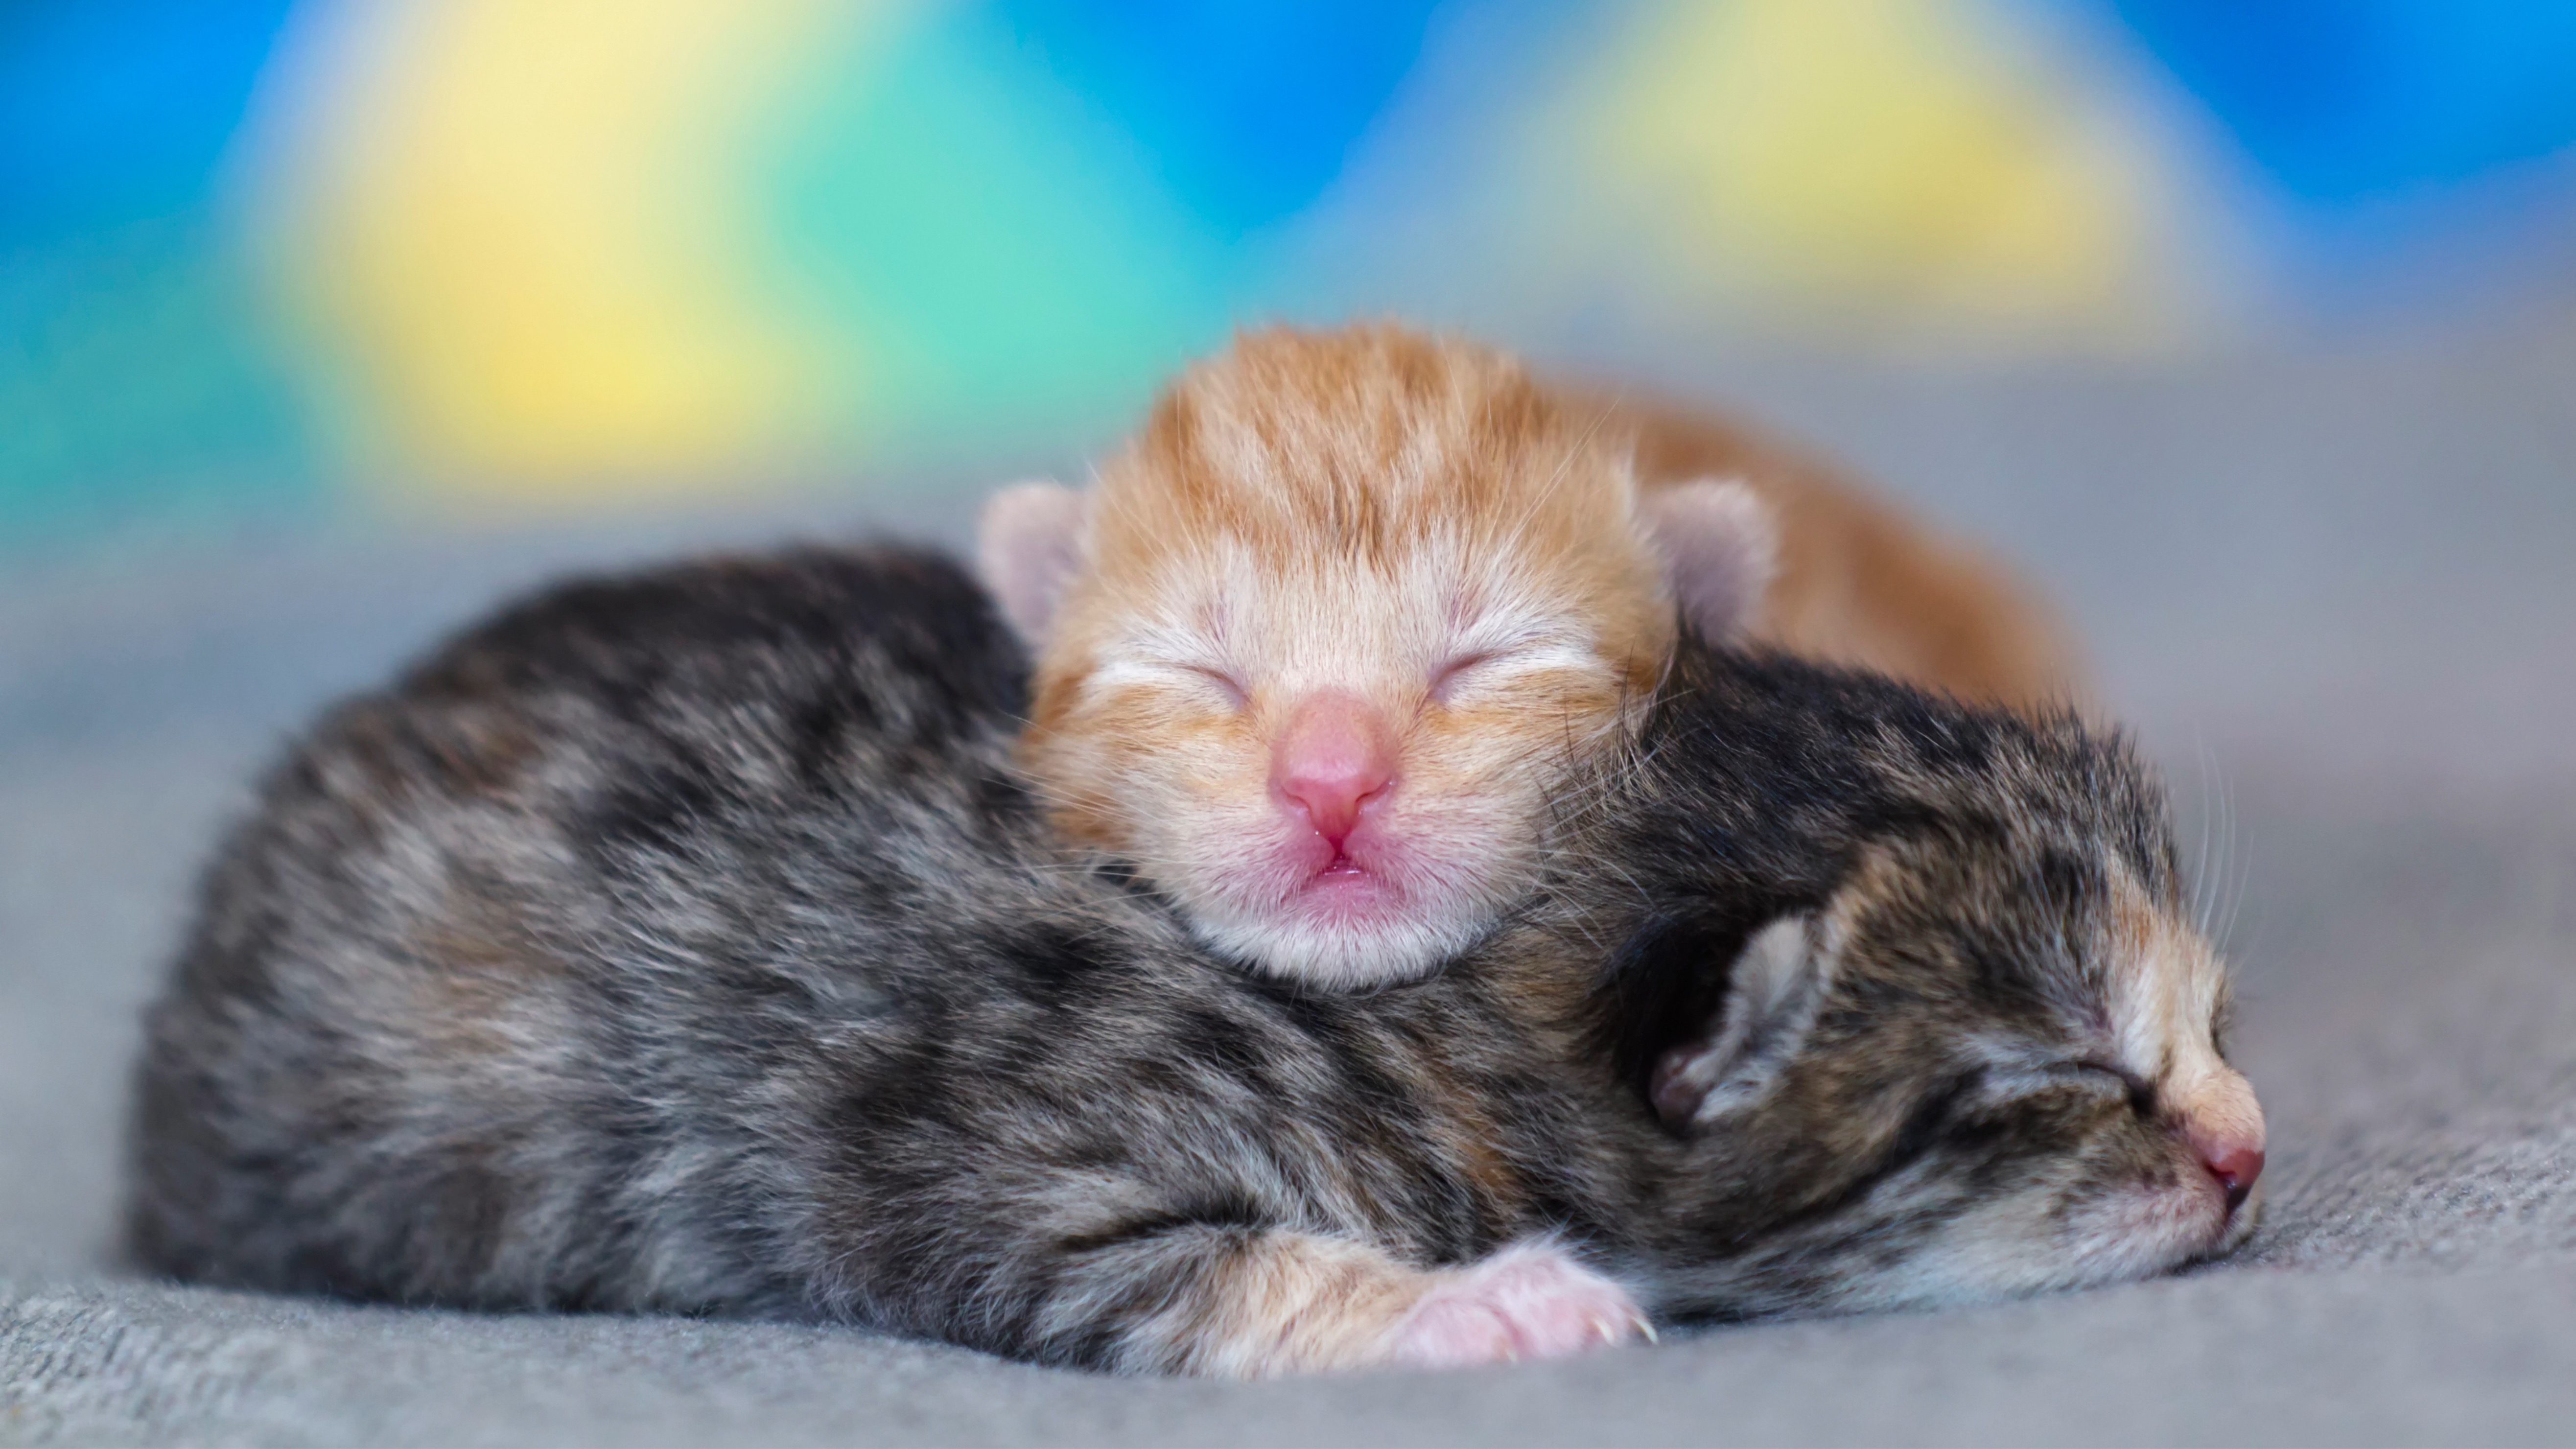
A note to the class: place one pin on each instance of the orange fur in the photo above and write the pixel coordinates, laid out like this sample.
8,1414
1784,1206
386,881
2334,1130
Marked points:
1296,1303
1859,582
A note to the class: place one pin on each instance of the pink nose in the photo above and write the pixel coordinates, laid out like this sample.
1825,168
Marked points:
2236,1168
1334,756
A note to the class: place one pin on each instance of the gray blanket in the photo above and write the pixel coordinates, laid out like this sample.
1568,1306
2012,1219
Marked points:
2332,591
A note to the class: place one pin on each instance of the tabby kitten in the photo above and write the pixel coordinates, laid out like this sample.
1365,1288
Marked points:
687,942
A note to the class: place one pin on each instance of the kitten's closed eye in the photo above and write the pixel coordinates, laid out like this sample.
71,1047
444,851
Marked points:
2100,1080
1226,684
1212,684
1456,674
2104,1076
1516,654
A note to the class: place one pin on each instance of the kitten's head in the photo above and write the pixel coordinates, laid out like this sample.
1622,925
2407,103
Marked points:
1961,1039
1317,647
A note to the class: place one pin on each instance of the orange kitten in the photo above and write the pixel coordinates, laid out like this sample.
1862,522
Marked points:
1316,651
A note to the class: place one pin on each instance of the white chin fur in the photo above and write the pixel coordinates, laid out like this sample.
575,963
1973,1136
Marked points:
2132,1236
1346,957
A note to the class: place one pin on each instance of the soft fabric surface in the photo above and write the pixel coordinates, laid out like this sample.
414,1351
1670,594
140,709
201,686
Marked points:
2329,589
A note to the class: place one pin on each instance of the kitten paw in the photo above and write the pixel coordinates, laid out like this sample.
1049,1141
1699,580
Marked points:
1531,1300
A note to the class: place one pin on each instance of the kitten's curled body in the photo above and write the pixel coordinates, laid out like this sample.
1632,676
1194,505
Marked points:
687,942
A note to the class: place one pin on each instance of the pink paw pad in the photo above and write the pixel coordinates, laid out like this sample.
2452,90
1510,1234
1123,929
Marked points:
1527,1301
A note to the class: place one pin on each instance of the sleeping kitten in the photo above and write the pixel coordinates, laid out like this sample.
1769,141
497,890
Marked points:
1319,646
1321,643
686,942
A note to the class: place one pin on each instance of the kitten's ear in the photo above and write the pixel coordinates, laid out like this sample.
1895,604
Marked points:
1778,982
1721,547
1028,546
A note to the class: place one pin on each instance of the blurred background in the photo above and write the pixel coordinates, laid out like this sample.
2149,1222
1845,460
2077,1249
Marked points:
270,261
2246,327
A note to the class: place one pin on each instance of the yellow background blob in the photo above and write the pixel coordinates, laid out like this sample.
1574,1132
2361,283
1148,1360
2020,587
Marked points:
1881,159
520,226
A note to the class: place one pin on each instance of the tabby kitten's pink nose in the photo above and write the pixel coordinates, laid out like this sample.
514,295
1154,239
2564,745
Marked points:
2235,1168
1334,756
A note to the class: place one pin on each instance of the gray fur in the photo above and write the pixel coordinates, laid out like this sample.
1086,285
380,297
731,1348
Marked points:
685,942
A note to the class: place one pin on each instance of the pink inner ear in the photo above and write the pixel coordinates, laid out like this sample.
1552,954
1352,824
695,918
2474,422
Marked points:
1720,544
1672,1090
1028,546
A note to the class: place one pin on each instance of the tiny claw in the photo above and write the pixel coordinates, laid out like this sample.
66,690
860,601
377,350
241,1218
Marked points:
1648,1330
1608,1334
